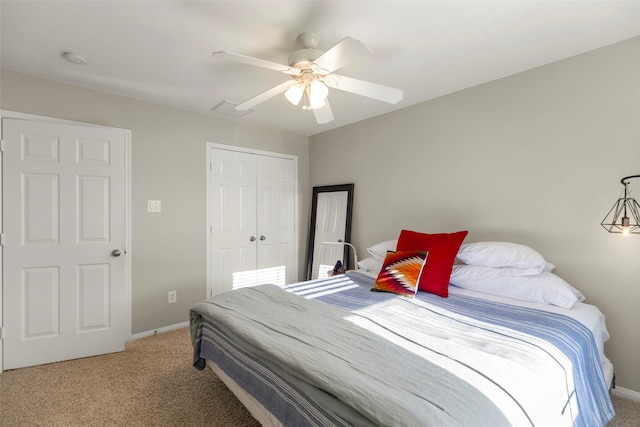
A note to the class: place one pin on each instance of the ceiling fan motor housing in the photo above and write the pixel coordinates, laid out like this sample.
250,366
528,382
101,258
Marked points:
308,40
302,58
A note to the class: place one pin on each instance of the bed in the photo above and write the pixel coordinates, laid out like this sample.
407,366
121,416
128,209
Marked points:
330,352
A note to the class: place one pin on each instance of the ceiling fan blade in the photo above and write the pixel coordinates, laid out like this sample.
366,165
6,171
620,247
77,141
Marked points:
265,95
364,88
346,50
256,62
324,113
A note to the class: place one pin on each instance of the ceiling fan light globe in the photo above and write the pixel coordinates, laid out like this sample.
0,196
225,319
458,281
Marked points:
315,103
294,94
318,89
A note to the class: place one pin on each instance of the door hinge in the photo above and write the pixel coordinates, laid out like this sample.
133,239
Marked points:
1,145
1,239
1,333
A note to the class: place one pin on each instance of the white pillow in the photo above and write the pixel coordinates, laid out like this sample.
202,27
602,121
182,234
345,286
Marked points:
379,250
544,288
370,264
502,254
512,271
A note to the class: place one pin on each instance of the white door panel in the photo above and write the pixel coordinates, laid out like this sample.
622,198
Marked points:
252,210
276,225
64,213
40,288
233,177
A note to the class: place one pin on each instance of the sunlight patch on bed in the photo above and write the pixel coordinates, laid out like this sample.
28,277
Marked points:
481,353
315,289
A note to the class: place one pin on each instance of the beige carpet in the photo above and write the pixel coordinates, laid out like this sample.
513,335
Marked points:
152,383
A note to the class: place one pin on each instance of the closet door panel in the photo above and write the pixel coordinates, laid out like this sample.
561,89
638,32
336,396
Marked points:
233,222
276,223
252,207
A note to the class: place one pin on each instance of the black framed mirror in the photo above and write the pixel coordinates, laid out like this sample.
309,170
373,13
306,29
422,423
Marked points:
331,214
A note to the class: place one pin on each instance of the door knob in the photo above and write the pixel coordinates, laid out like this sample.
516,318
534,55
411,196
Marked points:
116,252
252,238
262,237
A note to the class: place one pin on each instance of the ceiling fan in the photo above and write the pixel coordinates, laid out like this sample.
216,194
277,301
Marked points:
312,76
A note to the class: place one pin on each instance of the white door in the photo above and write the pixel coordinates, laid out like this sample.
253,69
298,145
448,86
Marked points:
276,223
64,215
252,220
233,219
331,215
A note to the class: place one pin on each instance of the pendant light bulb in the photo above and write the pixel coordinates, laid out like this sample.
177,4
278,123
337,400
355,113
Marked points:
625,225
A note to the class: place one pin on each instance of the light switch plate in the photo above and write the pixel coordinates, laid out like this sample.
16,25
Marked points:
154,206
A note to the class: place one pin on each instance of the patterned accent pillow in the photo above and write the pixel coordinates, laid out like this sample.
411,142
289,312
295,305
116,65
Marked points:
400,273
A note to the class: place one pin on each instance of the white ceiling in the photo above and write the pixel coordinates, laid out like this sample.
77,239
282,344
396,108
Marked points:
160,51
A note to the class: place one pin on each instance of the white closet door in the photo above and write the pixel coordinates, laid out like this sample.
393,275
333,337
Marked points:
252,209
233,220
64,215
276,223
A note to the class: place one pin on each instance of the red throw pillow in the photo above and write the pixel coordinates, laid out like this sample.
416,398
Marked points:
442,248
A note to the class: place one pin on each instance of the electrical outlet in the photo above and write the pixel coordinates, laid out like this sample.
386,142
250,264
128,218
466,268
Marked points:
172,297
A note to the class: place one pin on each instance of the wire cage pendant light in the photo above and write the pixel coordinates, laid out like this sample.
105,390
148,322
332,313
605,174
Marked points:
624,216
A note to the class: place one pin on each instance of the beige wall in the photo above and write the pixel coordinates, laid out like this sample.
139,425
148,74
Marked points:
535,158
168,164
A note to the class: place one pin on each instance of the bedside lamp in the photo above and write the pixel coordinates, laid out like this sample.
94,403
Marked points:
340,242
624,216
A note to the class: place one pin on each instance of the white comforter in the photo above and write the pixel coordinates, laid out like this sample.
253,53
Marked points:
404,362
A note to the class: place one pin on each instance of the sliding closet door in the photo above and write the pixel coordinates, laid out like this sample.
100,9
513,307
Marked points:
252,226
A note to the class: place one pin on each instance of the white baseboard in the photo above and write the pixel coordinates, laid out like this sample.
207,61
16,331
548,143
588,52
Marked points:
626,393
159,330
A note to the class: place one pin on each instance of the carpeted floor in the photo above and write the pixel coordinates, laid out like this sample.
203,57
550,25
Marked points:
152,383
